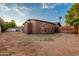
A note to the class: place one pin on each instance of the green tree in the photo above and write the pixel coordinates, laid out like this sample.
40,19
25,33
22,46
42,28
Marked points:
1,23
13,24
72,17
5,25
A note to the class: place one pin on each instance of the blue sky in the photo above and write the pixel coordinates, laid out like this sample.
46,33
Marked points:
21,12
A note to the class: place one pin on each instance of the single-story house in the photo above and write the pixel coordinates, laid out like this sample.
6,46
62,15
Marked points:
35,26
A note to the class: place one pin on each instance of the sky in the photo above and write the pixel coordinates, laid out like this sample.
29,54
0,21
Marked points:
21,12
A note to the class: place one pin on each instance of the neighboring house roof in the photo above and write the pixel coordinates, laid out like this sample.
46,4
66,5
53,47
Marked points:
56,23
12,29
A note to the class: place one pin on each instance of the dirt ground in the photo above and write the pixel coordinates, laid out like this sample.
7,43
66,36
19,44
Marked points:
20,44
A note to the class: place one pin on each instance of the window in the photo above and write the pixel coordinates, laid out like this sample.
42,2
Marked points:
43,29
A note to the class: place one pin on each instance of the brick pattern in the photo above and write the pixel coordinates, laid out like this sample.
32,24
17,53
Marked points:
38,27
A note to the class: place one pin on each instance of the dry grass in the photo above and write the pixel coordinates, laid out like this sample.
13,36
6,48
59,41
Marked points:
17,43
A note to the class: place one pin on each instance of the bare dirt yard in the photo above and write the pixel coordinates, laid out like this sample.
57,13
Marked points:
20,44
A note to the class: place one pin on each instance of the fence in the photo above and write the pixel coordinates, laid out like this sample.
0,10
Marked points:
67,29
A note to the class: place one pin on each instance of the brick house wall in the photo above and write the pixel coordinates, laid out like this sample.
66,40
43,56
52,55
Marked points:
43,27
37,27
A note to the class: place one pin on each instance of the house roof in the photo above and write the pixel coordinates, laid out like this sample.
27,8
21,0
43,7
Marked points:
56,23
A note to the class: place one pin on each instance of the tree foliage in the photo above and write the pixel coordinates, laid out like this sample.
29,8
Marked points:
72,17
73,14
5,25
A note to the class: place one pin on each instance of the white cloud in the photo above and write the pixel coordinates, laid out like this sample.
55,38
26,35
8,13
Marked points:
51,5
20,10
47,5
3,7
